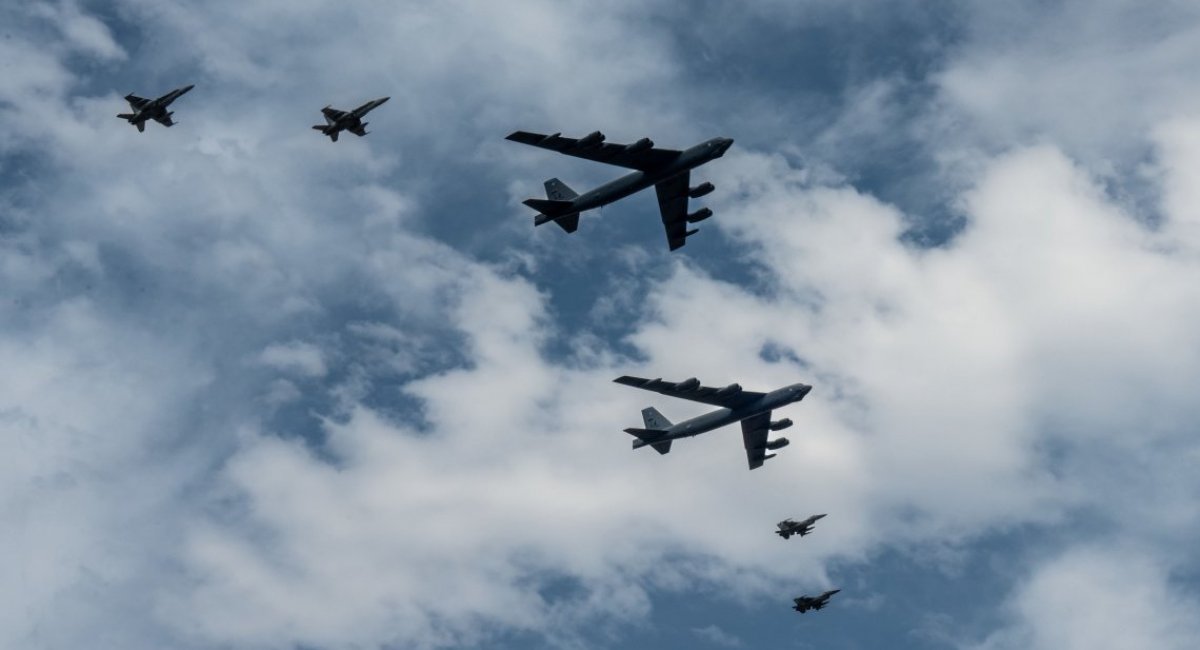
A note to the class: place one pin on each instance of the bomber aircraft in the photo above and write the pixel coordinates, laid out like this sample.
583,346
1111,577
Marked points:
152,109
668,170
805,603
789,527
337,121
752,409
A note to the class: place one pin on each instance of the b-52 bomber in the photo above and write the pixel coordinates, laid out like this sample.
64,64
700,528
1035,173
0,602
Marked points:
668,170
337,121
752,409
789,527
152,109
805,603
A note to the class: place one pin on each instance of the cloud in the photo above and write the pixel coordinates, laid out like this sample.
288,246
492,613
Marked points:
1099,597
714,635
303,358
444,464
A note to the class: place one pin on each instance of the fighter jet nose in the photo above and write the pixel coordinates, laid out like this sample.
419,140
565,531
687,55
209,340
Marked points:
805,390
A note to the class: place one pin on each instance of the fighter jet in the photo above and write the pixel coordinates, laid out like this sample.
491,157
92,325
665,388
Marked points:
788,527
337,121
668,170
805,603
152,109
752,409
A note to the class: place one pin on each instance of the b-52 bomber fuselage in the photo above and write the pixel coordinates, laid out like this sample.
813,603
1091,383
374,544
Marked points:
152,109
337,121
752,409
667,170
789,527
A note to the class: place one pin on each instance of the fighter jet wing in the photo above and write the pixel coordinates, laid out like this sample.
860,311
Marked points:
754,435
802,605
333,113
641,155
672,204
731,396
164,119
136,102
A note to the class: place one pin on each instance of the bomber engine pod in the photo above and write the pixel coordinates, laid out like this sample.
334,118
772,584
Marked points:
699,215
780,425
590,140
778,443
688,384
644,144
731,389
700,190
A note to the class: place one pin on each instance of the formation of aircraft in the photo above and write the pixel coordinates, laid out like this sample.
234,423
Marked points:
667,170
152,109
751,409
337,121
789,527
806,603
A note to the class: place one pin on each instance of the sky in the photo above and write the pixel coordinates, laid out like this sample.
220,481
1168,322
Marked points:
263,391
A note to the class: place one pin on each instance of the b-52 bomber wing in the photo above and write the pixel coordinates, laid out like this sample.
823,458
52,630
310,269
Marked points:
731,396
641,155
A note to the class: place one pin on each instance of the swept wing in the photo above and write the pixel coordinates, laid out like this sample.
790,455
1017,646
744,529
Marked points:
672,205
136,102
754,435
731,396
641,155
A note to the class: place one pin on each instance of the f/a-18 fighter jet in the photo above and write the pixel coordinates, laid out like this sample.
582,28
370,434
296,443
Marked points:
152,109
337,121
805,603
752,409
789,527
668,170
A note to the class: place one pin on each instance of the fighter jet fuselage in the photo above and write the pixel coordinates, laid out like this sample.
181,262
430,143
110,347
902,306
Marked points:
637,181
337,121
789,527
806,603
152,109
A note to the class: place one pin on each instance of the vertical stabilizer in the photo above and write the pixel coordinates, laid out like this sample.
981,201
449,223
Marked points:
654,419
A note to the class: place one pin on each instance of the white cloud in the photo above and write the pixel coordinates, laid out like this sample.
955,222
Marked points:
303,358
1000,381
1099,598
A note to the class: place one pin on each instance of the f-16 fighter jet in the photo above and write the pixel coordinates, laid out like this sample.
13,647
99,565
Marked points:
668,170
337,121
152,109
805,603
752,409
789,527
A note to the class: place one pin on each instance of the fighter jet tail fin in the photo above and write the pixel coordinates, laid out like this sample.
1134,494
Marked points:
648,438
125,116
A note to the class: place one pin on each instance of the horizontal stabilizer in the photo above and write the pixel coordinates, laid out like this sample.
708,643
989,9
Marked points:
125,116
550,208
647,437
